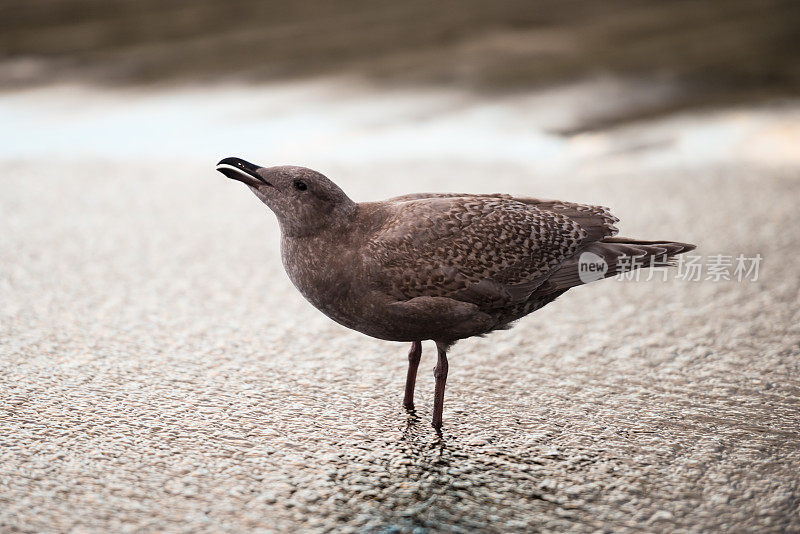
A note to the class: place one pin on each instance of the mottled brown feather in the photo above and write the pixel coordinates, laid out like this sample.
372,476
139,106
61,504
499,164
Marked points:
489,250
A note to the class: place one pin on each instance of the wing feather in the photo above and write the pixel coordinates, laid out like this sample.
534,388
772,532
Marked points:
490,250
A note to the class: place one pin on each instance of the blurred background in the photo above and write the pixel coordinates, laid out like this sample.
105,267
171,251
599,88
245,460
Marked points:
158,372
556,69
714,51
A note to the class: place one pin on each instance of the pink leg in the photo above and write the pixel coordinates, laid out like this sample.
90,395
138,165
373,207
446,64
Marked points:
440,373
414,356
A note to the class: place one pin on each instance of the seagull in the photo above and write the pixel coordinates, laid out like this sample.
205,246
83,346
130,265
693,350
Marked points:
437,266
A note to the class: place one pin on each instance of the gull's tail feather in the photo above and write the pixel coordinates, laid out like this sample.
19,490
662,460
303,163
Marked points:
613,256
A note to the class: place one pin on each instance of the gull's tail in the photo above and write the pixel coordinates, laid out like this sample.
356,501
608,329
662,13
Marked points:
612,256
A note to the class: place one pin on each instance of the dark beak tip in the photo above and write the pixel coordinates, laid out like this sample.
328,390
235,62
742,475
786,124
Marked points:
234,162
241,170
230,173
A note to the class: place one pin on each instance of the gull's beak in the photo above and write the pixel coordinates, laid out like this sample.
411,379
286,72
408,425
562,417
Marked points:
239,169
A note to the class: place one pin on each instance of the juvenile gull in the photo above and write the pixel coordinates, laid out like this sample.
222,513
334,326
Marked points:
437,266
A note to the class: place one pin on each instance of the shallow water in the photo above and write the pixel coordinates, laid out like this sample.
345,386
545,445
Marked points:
335,122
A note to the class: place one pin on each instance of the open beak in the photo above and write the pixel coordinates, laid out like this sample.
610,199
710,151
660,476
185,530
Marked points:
239,169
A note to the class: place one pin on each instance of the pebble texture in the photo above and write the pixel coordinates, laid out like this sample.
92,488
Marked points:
159,372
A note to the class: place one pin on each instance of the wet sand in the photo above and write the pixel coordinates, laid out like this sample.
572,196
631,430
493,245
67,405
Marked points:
159,371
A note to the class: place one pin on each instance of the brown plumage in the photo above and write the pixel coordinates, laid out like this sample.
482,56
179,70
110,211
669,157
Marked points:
434,266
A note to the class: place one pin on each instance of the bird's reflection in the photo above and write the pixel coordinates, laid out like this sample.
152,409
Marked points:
420,477
417,434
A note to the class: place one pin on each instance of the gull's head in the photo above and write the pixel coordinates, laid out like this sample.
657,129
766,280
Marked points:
304,200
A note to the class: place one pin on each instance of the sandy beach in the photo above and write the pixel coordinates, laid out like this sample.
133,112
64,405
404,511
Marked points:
159,371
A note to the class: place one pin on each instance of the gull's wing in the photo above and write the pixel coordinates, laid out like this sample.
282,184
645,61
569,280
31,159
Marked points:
490,250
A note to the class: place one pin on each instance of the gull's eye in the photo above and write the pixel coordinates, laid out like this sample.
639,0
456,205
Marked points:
300,185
